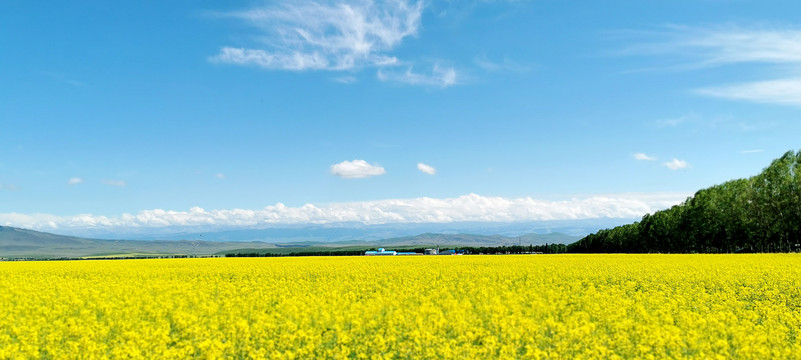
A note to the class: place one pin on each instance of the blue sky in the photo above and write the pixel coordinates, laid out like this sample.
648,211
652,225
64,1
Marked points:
254,113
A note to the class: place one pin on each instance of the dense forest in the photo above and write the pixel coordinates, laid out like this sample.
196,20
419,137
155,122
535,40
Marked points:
758,214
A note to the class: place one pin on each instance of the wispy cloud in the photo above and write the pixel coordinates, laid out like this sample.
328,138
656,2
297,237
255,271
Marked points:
705,47
63,78
346,79
430,170
486,64
75,181
751,151
356,169
294,61
642,156
782,91
469,207
8,187
330,35
674,121
439,77
119,183
697,47
220,176
676,164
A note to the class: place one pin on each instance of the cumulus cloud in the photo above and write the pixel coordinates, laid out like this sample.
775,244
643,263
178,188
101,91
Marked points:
466,208
642,156
325,35
356,169
119,183
430,170
439,77
676,164
75,181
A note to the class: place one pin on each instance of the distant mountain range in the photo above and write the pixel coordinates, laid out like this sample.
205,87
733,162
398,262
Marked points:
20,243
482,240
350,231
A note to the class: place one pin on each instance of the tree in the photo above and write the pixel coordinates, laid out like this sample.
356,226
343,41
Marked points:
761,213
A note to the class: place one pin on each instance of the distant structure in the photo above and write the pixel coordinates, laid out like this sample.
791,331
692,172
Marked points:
452,252
385,252
381,251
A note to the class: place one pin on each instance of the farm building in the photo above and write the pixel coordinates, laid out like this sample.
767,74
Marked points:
381,251
452,252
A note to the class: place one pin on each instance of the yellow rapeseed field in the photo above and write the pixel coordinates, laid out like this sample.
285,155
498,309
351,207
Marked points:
527,306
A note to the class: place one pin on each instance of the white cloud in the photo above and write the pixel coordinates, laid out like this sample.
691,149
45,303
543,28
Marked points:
8,186
295,61
426,169
119,183
220,176
751,151
75,181
704,47
781,91
346,79
505,65
471,207
673,122
326,35
641,156
716,46
356,169
439,77
676,164
65,78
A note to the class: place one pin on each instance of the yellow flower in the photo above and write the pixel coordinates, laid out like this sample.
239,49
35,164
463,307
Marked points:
527,306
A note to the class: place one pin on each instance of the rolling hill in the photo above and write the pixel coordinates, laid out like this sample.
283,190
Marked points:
23,243
17,243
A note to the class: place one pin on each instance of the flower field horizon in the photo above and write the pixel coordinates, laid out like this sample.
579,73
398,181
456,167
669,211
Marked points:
448,307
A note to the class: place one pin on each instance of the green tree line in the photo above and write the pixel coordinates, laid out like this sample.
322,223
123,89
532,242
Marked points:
758,214
513,249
